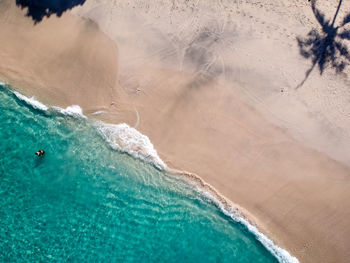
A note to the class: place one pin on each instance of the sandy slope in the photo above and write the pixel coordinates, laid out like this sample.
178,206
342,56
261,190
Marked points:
57,56
213,86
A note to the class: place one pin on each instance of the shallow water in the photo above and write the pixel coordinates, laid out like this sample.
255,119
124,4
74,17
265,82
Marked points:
84,201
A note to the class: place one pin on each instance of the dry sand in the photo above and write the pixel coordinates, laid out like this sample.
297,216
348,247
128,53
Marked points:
213,85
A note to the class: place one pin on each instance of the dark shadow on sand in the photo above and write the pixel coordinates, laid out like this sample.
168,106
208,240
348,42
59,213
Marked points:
326,46
38,9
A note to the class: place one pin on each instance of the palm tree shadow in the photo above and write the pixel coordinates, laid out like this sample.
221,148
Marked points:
37,10
326,47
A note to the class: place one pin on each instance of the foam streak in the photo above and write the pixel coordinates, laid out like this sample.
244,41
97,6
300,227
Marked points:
124,138
31,101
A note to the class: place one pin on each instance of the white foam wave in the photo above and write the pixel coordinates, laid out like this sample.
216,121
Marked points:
124,138
74,111
121,136
281,254
31,101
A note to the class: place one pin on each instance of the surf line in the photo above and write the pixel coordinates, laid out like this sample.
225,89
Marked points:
126,139
234,212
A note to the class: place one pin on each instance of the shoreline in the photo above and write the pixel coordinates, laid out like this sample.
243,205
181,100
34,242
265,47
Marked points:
233,210
227,207
197,122
237,214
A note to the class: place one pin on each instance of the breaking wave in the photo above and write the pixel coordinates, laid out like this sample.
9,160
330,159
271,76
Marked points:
31,101
124,138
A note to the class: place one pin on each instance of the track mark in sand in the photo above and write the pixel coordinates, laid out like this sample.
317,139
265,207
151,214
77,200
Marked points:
256,12
137,119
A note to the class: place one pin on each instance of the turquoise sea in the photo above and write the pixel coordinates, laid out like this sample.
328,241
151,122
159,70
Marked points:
85,201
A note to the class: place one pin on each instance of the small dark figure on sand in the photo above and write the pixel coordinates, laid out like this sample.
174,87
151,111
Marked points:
40,153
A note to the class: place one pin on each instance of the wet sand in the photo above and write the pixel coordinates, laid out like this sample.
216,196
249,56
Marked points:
215,94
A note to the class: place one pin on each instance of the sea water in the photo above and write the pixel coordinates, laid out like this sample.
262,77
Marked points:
86,201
